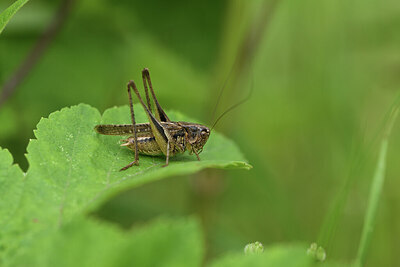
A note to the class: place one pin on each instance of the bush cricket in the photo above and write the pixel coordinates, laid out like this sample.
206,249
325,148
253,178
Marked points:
160,136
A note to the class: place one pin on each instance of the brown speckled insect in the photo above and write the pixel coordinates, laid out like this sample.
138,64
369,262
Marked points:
160,136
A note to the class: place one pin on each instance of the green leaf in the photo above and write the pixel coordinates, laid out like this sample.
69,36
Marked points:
277,255
165,243
73,170
91,243
7,14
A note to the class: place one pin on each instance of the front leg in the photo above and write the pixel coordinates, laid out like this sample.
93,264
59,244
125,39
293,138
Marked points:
197,154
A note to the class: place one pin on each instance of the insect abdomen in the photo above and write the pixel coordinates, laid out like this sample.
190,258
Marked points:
146,145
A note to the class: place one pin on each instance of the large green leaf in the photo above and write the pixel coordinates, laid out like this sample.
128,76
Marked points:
91,243
73,170
7,14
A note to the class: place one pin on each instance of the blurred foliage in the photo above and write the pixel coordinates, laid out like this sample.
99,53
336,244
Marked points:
324,75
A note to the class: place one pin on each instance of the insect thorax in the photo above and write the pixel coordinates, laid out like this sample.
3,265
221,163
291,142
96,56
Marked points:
186,136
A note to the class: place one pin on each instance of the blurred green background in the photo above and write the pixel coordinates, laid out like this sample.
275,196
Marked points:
323,73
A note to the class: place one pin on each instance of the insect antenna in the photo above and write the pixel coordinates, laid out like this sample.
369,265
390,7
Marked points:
234,105
222,90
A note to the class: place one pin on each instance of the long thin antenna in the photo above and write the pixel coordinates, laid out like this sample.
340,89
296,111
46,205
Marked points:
235,105
223,88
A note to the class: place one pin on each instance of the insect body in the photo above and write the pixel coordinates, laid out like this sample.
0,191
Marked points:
160,136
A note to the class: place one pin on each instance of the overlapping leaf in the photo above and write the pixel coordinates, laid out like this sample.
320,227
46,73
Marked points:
164,242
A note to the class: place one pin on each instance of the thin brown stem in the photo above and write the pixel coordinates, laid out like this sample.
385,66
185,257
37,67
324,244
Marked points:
37,51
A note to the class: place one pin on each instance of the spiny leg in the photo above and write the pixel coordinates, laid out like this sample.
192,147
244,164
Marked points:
160,114
136,161
197,154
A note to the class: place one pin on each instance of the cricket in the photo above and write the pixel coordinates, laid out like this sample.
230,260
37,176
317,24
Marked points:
160,136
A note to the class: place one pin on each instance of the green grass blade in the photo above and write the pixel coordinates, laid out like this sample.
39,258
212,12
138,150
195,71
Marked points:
7,14
375,193
334,216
